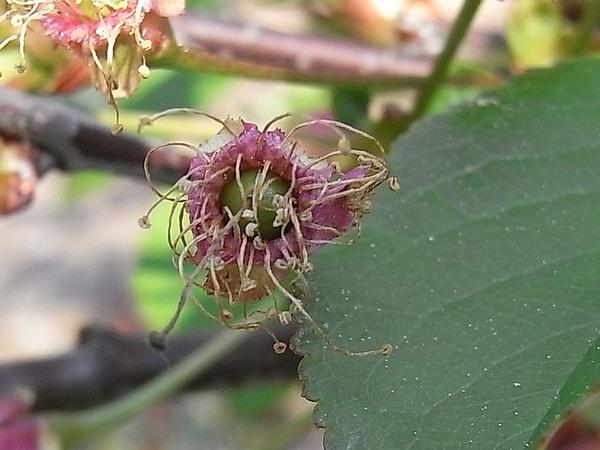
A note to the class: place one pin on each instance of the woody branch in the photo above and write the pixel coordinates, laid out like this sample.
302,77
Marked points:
236,49
70,140
79,379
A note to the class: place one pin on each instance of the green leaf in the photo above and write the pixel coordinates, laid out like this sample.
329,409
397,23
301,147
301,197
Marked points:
482,273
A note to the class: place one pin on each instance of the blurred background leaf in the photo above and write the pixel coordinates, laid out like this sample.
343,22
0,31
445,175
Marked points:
535,33
85,182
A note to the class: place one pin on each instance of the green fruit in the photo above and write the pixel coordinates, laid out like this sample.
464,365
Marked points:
232,198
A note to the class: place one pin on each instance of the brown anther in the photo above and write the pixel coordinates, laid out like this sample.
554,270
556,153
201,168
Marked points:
16,21
377,164
366,206
226,314
281,264
305,216
117,129
247,214
250,229
307,267
285,317
271,313
279,201
144,71
146,45
185,185
386,349
393,183
258,243
218,263
20,68
145,121
355,204
144,222
158,340
281,217
279,347
248,284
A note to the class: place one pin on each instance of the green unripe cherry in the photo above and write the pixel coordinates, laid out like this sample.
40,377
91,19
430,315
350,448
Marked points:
232,198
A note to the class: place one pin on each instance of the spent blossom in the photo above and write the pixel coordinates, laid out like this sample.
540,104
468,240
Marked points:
114,36
253,207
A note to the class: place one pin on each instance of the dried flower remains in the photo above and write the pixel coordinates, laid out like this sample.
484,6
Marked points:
114,36
251,210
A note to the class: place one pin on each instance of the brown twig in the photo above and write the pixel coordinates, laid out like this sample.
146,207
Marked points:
107,364
245,50
70,140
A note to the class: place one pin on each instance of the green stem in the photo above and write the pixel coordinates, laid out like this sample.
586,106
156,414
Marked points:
77,428
588,23
459,30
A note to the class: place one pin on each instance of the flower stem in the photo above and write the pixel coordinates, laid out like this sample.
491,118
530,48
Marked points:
76,428
589,21
457,33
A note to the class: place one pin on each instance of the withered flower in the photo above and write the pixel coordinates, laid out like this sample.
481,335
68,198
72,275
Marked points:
114,36
257,207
